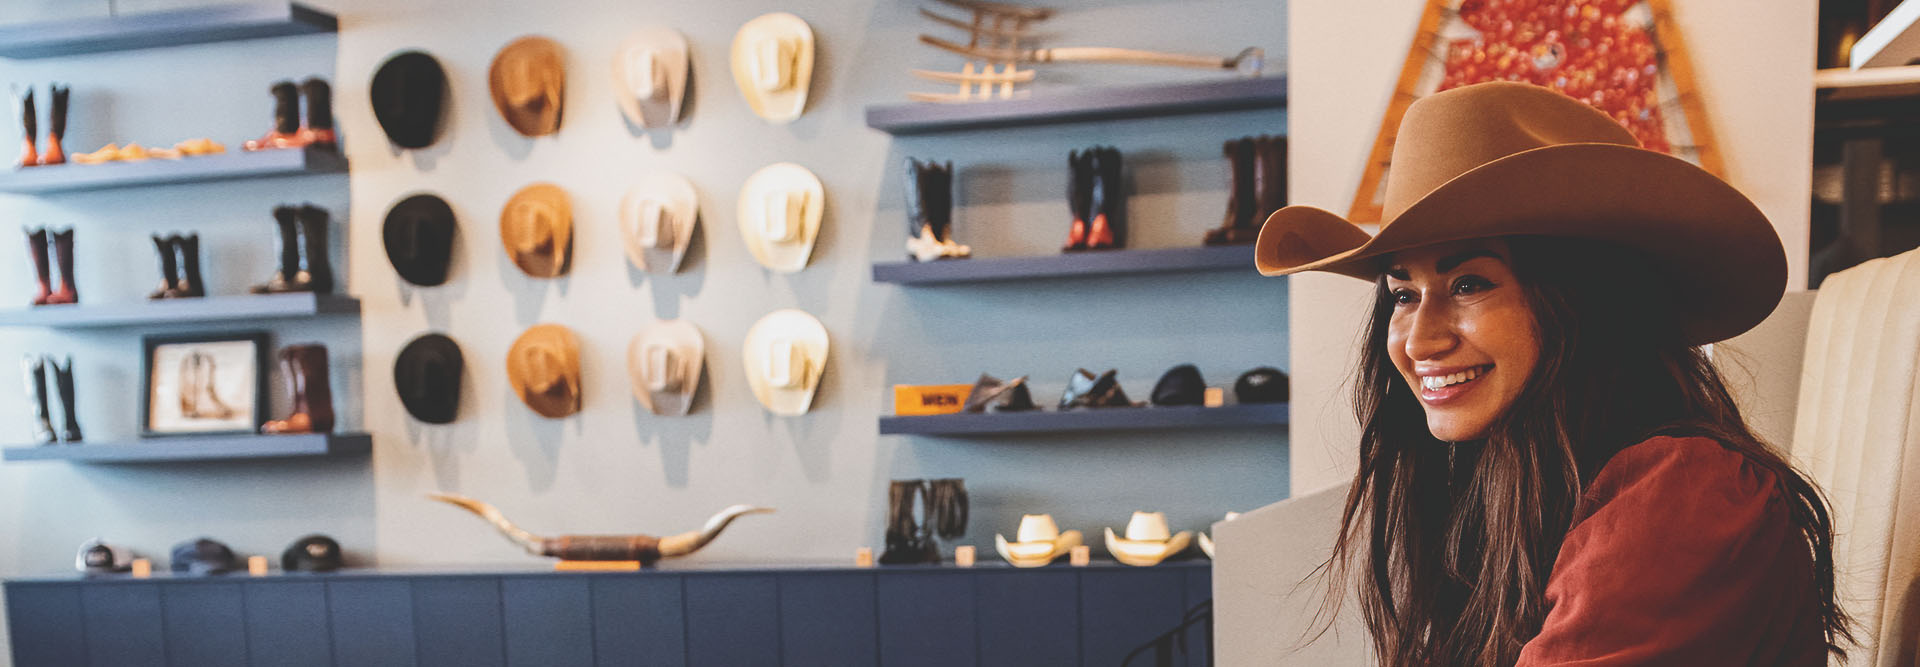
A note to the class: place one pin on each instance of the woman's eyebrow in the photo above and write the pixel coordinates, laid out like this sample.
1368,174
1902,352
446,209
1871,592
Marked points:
1450,262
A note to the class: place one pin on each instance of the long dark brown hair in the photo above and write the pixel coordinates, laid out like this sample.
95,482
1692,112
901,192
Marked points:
1450,544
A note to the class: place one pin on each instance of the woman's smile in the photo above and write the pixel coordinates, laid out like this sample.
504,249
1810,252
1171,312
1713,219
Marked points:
1448,385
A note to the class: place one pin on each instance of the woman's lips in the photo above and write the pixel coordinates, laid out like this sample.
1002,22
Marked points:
1452,393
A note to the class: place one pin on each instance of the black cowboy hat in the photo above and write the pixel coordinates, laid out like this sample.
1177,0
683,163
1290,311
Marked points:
407,94
313,553
419,236
1262,385
427,376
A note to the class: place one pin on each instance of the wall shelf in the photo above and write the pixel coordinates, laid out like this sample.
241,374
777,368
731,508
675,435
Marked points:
199,448
1068,265
1082,105
247,307
230,166
1108,419
220,23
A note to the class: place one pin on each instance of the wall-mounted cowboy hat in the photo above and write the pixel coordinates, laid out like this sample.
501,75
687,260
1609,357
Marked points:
1037,543
779,212
785,354
408,93
773,65
544,368
657,218
528,81
427,375
536,226
650,76
418,233
1147,542
1508,159
664,363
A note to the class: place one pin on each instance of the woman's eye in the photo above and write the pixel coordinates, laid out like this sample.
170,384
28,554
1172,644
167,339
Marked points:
1471,285
1403,296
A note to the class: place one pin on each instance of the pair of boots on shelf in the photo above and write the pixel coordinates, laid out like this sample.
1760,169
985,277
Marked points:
288,131
943,512
929,187
302,247
1259,188
179,267
305,368
1097,194
36,367
30,154
61,243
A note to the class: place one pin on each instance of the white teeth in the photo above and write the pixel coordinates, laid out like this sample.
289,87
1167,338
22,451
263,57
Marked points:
1432,382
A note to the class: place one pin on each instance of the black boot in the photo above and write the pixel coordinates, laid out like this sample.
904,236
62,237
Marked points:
62,243
316,268
929,189
29,128
36,371
287,219
1079,197
56,126
189,284
63,381
169,268
318,130
42,265
286,120
1107,229
1242,207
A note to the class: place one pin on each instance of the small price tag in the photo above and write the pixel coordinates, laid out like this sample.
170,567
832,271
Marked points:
1080,556
142,568
963,555
257,566
1215,397
863,557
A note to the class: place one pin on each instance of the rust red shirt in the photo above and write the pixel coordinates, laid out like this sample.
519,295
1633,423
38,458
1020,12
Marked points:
1681,553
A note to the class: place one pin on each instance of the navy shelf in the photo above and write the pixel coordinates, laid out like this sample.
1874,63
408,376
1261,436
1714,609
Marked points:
1106,419
1085,264
220,23
199,448
229,166
1082,106
245,307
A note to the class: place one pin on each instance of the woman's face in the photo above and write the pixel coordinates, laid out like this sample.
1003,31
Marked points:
1461,334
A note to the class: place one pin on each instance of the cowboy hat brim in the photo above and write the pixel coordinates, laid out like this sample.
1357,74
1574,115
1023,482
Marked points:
549,405
807,333
1146,553
791,256
530,123
1015,553
1727,266
781,106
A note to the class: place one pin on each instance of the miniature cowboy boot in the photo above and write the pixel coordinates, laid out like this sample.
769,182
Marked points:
316,267
1242,205
286,120
318,130
284,245
42,266
1269,177
929,189
56,126
63,382
1108,227
189,283
909,538
36,372
296,421
29,128
305,367
63,258
169,268
1079,197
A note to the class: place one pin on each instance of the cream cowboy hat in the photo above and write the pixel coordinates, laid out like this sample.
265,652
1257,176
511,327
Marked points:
1147,542
656,221
536,226
650,76
785,354
1037,543
1206,543
664,364
1506,159
528,82
773,65
544,368
780,209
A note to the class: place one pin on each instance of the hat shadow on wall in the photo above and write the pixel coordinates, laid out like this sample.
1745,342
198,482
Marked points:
675,436
669,289
662,139
813,434
535,440
529,293
437,301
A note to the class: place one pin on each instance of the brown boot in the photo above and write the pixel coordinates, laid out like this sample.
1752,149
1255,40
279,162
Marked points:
42,266
1242,206
305,367
286,218
56,126
63,256
1269,177
286,120
169,268
318,128
29,128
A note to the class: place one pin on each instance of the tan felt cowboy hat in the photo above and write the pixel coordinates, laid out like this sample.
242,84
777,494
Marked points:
779,212
1509,159
785,354
1147,542
536,226
664,364
544,368
528,81
1038,542
773,65
656,221
650,76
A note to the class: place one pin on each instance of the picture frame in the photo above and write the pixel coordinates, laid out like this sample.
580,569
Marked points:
203,384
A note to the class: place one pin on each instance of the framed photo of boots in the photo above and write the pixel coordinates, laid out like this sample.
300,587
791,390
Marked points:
203,384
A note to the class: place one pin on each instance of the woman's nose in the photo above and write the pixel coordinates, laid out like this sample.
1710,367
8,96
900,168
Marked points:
1432,333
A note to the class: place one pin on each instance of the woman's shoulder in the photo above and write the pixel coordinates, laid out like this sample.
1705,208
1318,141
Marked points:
1680,473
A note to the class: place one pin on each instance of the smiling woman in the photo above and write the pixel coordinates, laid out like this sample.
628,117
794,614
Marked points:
1551,471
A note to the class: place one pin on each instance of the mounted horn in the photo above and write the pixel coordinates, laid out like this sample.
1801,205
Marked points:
644,548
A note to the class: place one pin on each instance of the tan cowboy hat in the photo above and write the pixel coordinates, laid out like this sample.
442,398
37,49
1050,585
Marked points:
536,226
656,221
1206,543
650,76
1038,542
1505,159
773,65
544,368
779,212
664,364
528,80
1147,542
785,354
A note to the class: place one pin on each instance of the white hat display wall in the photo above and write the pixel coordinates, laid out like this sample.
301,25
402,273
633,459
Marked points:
1037,543
780,209
773,65
1147,542
650,76
785,354
1206,543
657,218
664,363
